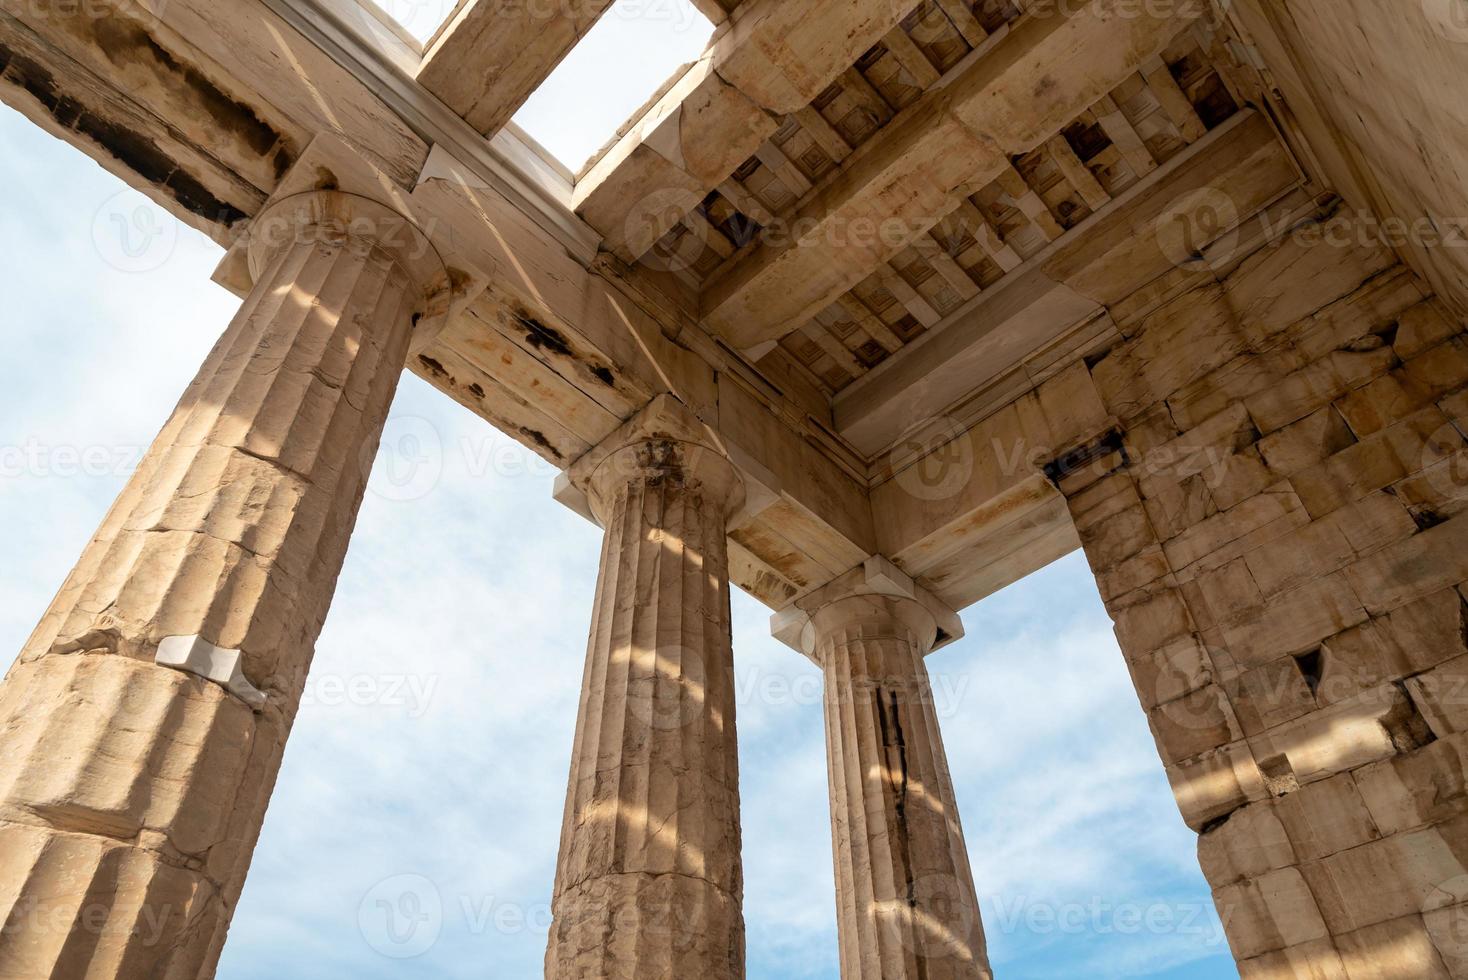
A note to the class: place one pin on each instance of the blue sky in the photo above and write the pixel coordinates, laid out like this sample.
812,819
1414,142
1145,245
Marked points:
427,769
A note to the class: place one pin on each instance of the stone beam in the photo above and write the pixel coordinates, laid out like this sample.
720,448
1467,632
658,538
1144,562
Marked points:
1013,94
774,59
1231,175
958,499
493,54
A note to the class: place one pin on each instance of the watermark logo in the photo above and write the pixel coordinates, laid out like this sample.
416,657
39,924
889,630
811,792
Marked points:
134,235
401,917
1449,18
653,216
1446,912
1199,230
409,461
1444,465
940,459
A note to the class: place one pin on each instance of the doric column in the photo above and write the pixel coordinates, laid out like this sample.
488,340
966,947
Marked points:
906,903
143,725
649,884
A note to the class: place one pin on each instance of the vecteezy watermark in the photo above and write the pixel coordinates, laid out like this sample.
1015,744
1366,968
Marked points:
1444,468
658,212
32,917
405,916
1449,18
410,460
413,694
1445,910
401,917
38,460
133,234
670,691
1362,229
936,457
1099,916
1205,229
1200,228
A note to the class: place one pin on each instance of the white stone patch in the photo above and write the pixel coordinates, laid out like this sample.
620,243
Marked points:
195,655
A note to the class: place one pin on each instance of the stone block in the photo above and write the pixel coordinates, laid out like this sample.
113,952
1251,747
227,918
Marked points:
1118,536
1373,522
1441,695
1148,430
1316,550
1316,386
1239,477
1326,817
1456,408
1306,443
1232,533
1387,879
1196,723
1448,929
1336,739
1430,631
1364,320
1167,674
1422,327
1230,592
1173,507
1385,401
1269,696
1295,622
1439,491
1268,913
1182,341
1252,842
1429,562
1417,789
1102,499
1356,660
1152,623
1198,449
1316,960
1279,286
1139,571
1216,784
1378,461
1440,370
1401,949
1230,384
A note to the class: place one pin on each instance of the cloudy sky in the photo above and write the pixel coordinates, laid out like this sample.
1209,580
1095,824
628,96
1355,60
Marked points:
427,770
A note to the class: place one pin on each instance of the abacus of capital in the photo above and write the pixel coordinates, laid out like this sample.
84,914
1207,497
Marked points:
875,309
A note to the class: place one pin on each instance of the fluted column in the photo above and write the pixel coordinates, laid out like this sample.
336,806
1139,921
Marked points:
142,727
649,884
906,904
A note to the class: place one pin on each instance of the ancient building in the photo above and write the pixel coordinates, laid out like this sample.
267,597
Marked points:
878,307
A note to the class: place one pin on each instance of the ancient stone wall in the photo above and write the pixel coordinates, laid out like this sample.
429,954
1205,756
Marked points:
1279,527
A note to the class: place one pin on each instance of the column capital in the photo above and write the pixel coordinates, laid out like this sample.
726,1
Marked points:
334,194
877,592
665,441
347,220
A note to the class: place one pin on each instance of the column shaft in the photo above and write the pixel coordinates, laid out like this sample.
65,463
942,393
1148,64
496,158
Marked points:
131,793
906,902
649,885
